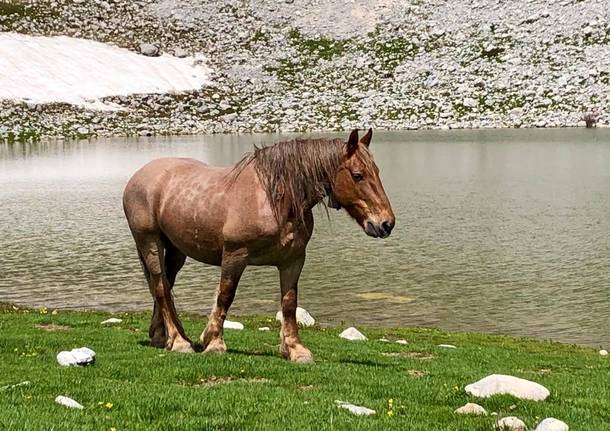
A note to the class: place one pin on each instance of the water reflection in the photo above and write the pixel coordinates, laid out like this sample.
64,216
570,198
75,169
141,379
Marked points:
501,231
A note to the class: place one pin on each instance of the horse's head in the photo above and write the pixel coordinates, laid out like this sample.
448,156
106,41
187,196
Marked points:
358,189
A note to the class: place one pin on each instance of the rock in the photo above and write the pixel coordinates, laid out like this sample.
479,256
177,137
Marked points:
503,384
228,324
81,356
402,342
353,334
16,385
385,340
470,102
68,402
264,329
180,53
111,321
603,352
552,424
357,410
471,409
303,317
511,423
447,346
149,49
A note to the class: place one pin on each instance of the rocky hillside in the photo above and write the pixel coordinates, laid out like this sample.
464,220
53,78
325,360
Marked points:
302,65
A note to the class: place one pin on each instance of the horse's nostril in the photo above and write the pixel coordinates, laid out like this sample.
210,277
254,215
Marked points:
387,226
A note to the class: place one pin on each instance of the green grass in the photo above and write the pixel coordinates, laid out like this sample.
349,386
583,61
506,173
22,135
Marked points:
135,387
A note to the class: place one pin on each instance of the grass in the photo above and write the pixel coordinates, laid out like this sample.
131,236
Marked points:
136,387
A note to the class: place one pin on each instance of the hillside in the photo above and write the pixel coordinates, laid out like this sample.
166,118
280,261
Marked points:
306,65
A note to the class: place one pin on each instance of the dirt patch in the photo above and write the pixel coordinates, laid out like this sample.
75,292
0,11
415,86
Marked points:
222,380
52,327
414,355
416,373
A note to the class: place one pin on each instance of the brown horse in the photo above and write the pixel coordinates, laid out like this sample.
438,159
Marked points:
255,213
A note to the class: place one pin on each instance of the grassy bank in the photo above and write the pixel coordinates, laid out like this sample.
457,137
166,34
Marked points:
133,386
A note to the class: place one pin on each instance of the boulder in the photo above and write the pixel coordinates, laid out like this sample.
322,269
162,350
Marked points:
353,334
471,409
81,356
303,317
68,402
511,423
111,321
357,410
149,49
502,384
552,424
228,324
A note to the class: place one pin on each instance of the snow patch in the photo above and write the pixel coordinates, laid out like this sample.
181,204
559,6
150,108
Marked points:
37,69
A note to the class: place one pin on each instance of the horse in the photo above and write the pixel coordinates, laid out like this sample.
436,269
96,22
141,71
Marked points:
257,212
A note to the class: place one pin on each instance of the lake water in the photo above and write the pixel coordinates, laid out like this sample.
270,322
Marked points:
498,231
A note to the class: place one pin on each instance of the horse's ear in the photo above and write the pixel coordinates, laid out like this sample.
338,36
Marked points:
352,142
366,139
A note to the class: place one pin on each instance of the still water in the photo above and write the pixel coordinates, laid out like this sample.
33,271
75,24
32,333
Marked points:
497,231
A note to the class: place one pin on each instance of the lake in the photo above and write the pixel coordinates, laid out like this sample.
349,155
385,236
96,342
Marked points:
501,231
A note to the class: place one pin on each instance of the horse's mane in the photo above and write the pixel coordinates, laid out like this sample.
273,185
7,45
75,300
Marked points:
294,173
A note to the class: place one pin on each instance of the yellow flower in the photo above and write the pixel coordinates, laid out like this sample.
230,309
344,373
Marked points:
112,429
390,413
108,405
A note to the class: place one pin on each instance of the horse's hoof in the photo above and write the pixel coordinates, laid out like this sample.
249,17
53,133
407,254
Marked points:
158,342
298,354
216,345
182,346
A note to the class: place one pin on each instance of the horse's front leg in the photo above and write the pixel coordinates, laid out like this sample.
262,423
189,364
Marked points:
291,346
233,265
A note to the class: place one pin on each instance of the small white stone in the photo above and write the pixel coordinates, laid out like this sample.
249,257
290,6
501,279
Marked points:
357,410
603,352
471,409
303,317
502,384
111,321
552,424
228,324
385,340
81,356
264,328
447,346
68,402
402,342
353,334
511,423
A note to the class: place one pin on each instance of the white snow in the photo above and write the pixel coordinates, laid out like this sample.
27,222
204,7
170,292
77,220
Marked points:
38,69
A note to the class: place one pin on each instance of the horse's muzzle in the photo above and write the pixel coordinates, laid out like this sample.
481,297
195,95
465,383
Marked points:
379,230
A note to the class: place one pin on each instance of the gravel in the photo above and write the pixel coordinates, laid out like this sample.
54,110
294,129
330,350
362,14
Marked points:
307,65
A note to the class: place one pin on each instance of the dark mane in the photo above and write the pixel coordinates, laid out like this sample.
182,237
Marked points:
296,173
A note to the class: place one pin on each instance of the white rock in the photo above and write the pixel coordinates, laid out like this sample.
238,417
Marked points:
357,410
447,346
502,384
511,423
353,334
68,402
264,328
552,424
603,352
385,340
16,385
303,317
111,321
471,409
228,324
81,356
402,342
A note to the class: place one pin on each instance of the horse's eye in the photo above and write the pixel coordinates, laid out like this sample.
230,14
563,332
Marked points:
357,176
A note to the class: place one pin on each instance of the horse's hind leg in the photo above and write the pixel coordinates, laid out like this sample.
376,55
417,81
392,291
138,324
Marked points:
233,265
152,254
174,261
